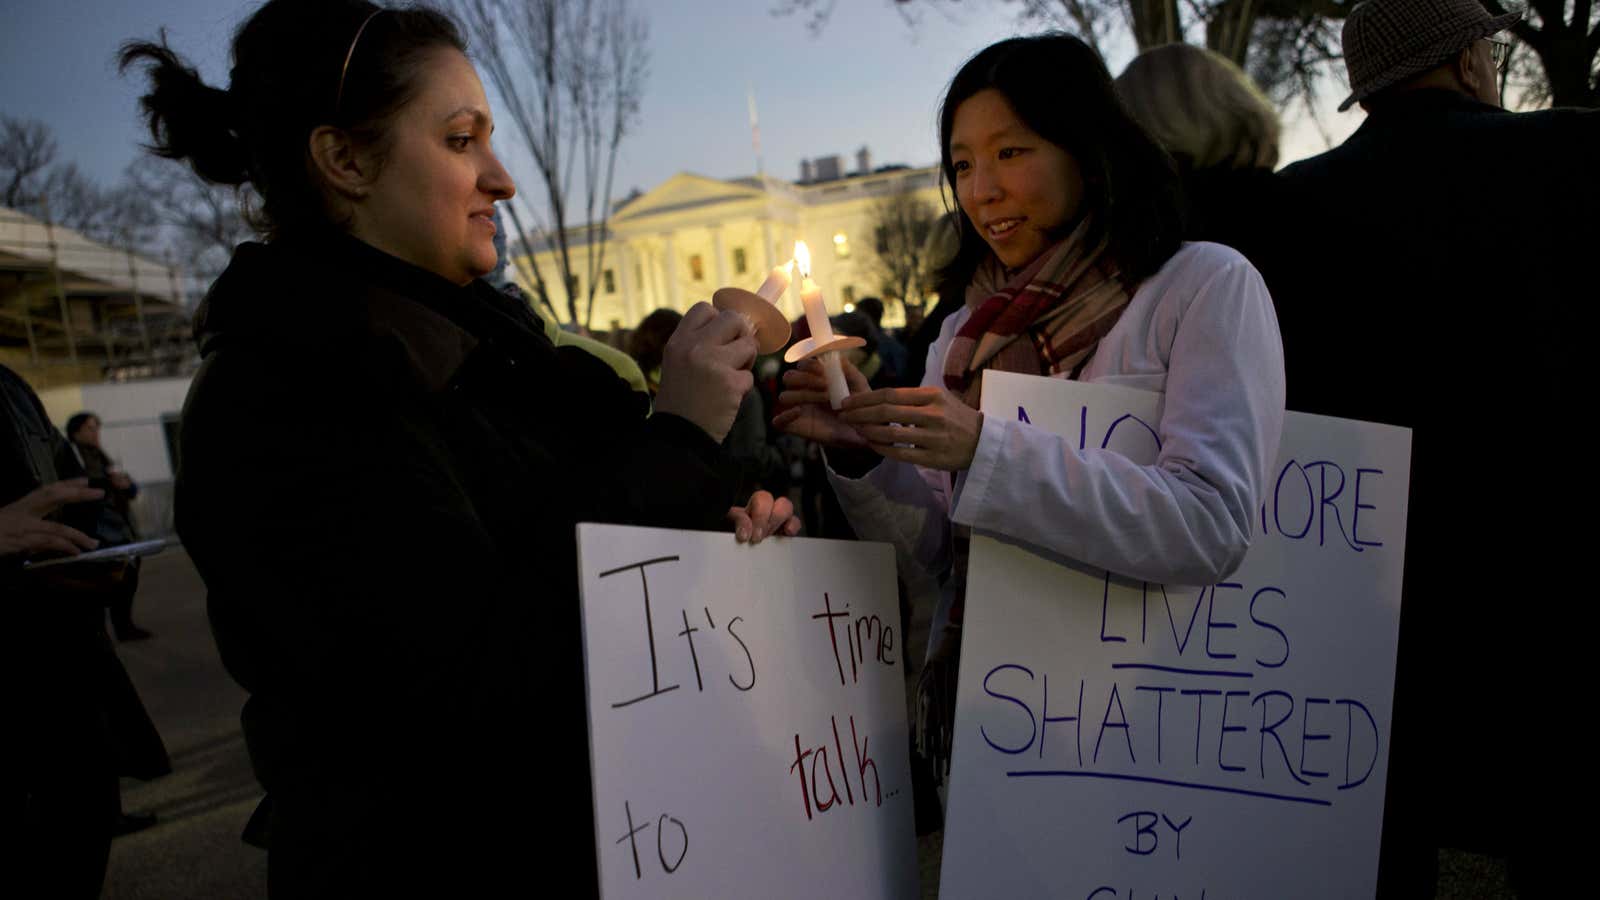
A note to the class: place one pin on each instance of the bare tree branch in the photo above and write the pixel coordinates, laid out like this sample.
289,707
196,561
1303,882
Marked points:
571,73
1088,19
1568,53
817,12
903,226
26,149
1233,28
204,221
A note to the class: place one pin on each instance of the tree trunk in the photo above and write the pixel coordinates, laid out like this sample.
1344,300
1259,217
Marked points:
1567,64
1229,30
1155,22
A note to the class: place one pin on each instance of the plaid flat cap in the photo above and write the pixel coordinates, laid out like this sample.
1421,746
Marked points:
1388,41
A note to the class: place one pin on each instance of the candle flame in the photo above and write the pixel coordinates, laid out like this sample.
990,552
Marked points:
802,258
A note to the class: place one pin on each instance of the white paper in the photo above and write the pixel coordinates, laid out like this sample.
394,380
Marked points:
1294,654
744,743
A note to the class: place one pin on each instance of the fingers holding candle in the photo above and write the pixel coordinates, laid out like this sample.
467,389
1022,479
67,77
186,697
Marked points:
766,322
804,410
928,426
705,369
822,340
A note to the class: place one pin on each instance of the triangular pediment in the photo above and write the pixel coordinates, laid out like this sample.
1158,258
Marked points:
685,191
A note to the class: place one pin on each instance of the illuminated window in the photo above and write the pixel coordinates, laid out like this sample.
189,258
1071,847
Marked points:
740,264
697,268
610,280
841,245
850,296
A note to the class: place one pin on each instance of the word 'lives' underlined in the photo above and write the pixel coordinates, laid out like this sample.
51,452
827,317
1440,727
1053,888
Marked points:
1266,795
1219,673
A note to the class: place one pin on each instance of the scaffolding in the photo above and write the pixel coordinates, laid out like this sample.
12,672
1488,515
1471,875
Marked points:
75,301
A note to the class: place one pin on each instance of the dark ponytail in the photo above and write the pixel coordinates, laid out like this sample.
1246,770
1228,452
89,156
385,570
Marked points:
188,119
289,60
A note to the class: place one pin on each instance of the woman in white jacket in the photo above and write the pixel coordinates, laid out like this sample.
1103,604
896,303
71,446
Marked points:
1070,224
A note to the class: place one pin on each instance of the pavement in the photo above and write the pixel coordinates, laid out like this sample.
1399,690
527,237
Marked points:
194,850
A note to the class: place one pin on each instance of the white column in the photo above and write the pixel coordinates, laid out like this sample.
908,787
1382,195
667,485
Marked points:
722,256
624,263
654,294
670,267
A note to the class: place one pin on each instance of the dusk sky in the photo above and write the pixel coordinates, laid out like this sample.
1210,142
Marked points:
868,79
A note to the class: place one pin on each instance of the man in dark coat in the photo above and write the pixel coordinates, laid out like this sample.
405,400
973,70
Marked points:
77,722
1441,281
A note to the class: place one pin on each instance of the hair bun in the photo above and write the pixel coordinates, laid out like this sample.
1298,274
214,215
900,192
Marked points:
189,120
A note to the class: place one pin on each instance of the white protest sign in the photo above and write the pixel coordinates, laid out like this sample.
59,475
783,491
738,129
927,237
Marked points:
1117,739
746,716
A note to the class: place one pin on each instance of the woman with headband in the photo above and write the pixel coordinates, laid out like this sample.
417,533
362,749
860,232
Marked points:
384,459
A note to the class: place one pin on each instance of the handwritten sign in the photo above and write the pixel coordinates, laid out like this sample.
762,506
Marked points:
1121,739
746,715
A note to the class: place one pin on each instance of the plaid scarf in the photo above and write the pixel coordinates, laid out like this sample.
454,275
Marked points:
1064,302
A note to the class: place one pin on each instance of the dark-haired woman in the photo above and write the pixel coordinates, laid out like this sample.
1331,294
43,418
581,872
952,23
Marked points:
384,459
115,523
1071,253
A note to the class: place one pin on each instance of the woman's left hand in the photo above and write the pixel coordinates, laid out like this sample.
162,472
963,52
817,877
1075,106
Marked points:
763,516
926,426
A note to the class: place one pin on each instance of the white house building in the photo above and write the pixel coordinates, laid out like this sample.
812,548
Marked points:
674,245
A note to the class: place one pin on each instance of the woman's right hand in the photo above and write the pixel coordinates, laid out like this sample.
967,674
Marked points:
705,368
805,409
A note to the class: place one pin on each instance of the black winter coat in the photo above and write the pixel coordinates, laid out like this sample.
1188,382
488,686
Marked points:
381,475
1241,208
1442,277
68,700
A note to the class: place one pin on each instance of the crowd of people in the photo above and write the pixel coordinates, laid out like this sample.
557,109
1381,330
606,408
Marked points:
438,440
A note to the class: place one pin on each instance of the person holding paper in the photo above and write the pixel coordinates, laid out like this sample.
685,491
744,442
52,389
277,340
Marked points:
74,722
25,532
1070,250
385,460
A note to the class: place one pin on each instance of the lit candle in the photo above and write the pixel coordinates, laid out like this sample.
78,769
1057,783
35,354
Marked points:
821,331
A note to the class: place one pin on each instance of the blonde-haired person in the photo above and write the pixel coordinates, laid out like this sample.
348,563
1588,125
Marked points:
1223,133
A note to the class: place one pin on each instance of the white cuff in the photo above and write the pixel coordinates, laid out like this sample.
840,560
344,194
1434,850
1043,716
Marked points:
972,490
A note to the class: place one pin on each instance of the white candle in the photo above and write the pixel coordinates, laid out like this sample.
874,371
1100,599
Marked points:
777,282
816,310
801,268
811,295
821,330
